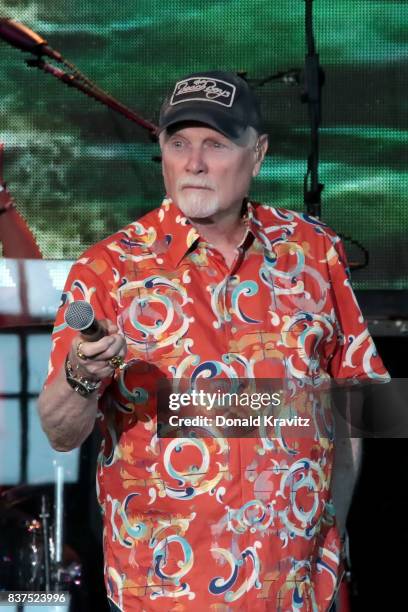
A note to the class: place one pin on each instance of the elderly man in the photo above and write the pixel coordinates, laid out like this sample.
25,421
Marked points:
209,284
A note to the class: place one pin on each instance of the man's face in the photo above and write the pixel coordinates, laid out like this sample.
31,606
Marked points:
205,173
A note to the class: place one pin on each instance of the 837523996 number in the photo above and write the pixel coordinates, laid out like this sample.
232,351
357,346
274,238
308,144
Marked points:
33,597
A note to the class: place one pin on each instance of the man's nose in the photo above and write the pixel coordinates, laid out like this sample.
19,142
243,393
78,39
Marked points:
195,162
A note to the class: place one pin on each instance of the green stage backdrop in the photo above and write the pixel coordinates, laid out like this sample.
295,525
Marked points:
78,171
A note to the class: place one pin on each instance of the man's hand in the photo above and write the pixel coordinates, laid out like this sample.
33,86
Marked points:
67,417
92,359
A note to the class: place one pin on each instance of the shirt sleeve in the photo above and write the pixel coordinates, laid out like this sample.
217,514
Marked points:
92,280
355,355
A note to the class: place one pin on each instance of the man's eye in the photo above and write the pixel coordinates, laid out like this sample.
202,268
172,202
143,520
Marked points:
217,145
176,144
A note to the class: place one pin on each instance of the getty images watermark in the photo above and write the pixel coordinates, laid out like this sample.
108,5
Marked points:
238,408
281,408
210,402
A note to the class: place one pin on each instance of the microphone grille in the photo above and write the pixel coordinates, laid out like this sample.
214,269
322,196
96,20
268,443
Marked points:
79,315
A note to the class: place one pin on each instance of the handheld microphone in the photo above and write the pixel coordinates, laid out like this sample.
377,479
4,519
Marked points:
18,35
80,316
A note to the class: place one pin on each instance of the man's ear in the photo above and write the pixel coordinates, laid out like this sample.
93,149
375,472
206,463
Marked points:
261,148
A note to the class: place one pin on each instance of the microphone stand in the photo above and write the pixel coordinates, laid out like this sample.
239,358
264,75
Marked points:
45,531
58,523
289,77
313,83
20,36
81,83
312,95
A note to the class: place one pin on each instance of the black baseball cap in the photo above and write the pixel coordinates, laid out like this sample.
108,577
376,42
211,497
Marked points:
222,100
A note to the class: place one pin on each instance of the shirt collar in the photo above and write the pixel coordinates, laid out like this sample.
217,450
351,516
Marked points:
177,231
181,235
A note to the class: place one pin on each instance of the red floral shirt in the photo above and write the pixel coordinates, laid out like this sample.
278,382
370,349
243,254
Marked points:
218,523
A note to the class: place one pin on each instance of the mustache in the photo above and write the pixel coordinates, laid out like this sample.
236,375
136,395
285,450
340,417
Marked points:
203,183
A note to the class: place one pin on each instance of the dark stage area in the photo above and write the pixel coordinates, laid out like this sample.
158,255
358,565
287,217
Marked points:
376,525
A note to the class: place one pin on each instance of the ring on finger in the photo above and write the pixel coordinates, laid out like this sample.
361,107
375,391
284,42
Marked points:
116,362
79,352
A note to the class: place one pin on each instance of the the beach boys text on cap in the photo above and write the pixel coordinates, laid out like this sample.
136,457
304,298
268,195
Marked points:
203,89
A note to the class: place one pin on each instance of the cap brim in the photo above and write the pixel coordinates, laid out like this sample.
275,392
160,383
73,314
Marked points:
215,119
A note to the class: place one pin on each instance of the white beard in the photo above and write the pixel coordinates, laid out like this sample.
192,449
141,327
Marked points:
197,204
